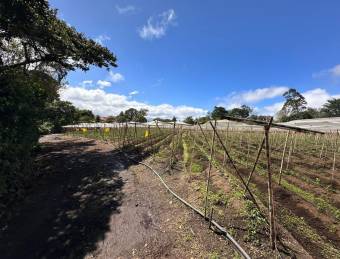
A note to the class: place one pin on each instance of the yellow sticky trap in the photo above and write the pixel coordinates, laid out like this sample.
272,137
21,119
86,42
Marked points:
146,134
84,130
107,130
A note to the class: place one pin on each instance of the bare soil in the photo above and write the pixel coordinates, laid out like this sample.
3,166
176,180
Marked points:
90,202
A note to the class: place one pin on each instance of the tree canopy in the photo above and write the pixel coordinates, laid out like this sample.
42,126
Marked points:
219,113
331,108
242,112
295,102
132,114
37,49
32,36
189,120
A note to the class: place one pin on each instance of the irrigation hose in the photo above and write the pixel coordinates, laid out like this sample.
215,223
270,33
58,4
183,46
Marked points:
213,222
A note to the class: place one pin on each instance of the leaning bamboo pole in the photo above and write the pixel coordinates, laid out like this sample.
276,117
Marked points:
283,156
334,155
209,172
238,172
290,150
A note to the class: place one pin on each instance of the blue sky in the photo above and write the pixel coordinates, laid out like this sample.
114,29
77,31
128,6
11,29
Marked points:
184,57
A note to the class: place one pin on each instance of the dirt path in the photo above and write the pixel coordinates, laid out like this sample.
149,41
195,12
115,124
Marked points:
89,202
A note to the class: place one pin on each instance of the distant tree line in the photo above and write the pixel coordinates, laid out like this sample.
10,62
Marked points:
295,108
130,115
221,113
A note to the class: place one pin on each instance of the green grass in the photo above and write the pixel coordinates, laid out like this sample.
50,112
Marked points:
298,224
196,168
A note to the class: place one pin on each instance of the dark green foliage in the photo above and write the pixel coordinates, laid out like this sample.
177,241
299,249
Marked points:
242,112
24,97
203,119
331,108
135,115
132,115
36,52
110,119
31,34
295,102
61,113
85,116
189,120
219,113
309,113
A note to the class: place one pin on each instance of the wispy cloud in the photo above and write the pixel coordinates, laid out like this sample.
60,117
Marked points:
333,72
103,83
236,99
134,92
125,9
115,77
86,83
157,27
101,39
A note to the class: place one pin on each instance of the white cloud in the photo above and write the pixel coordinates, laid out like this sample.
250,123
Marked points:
317,97
263,93
101,39
134,92
156,27
125,9
103,83
86,83
252,96
115,77
271,109
333,72
106,104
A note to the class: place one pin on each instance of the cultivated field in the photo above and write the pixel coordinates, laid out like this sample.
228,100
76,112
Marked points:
282,194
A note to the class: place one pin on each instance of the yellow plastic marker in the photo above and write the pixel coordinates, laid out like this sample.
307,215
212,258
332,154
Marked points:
107,130
84,130
146,134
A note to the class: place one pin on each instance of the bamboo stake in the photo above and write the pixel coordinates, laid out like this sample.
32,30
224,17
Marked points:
270,193
209,172
226,137
323,145
205,137
290,151
192,155
334,155
135,130
211,215
248,149
283,156
256,161
238,173
173,145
